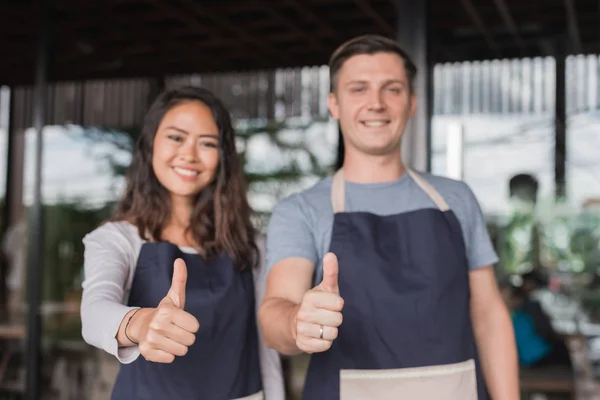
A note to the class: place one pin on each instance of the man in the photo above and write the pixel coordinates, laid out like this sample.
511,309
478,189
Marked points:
405,303
524,189
523,194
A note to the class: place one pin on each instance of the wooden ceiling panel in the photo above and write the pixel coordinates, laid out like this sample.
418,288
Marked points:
128,38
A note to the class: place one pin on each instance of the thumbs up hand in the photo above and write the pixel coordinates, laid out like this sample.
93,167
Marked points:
168,331
330,274
319,315
176,294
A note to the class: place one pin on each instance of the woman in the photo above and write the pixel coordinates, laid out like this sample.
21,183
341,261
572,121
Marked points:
173,275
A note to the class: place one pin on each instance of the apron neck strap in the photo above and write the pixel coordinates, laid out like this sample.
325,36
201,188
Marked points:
338,191
430,190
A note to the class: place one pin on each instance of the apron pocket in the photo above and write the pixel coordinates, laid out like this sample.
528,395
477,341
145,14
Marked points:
256,396
439,382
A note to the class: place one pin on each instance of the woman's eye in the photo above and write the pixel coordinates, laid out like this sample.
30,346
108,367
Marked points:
176,138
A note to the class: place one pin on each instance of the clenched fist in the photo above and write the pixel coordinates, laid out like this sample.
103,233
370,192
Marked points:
319,315
168,331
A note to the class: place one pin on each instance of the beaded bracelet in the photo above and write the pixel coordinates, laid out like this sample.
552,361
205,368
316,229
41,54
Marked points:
127,325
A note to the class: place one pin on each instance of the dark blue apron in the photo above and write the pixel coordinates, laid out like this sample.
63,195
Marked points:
407,331
223,363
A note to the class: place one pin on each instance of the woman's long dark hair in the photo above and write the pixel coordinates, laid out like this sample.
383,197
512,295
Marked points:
220,220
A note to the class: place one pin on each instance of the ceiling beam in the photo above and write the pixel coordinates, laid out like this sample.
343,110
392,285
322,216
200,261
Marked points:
476,18
509,22
311,16
160,46
573,26
378,19
192,24
503,42
293,27
223,24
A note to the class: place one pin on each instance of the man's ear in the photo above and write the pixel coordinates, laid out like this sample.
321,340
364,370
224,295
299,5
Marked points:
413,105
333,105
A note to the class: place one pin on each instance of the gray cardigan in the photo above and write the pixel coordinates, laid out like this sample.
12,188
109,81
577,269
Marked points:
110,258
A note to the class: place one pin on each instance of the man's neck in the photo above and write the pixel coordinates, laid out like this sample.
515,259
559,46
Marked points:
362,168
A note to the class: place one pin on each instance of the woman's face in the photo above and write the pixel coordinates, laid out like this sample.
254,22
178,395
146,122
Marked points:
186,150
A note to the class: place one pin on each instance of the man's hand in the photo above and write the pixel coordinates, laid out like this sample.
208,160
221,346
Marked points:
167,331
319,315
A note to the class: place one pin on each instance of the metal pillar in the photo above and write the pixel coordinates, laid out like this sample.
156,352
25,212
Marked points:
13,212
36,227
413,34
560,127
7,209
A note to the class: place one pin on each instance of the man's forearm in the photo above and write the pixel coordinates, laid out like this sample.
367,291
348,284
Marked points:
277,321
495,339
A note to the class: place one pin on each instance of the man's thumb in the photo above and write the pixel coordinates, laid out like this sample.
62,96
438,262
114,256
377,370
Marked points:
177,291
330,274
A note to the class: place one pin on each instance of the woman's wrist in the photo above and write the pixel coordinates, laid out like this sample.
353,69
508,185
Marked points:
128,326
134,324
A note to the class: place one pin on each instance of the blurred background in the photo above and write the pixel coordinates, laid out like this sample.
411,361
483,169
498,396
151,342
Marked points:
509,91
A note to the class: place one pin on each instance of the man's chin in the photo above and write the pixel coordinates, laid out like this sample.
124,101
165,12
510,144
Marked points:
382,149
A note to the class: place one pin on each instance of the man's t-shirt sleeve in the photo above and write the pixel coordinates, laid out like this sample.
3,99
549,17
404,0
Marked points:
480,250
290,233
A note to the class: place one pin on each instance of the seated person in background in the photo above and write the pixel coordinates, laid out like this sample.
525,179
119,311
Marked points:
533,282
537,343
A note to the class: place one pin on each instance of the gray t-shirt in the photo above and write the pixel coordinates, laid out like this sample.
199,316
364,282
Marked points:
110,259
301,224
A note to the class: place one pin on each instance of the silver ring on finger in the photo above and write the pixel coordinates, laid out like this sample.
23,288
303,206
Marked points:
321,329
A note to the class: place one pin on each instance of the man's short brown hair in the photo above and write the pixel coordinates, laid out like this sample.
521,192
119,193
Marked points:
368,44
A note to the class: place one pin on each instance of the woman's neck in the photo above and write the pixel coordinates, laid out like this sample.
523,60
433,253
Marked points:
177,229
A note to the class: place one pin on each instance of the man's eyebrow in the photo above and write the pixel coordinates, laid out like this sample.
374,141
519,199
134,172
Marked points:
387,82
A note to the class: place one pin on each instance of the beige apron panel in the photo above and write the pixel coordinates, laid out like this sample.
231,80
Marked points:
440,382
256,396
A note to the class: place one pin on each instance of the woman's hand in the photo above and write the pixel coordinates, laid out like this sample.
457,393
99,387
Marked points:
167,330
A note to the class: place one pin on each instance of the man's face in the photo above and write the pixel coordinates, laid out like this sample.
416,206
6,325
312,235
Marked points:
373,103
